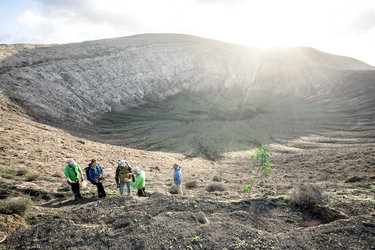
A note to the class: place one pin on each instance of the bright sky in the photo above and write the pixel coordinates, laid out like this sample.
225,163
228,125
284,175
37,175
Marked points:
344,27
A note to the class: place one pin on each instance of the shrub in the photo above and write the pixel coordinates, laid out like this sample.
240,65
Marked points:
308,195
191,184
15,205
57,174
21,172
215,187
173,189
32,177
261,167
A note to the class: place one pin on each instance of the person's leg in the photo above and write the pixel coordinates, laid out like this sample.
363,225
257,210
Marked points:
101,190
141,192
75,189
122,187
78,191
104,194
129,188
179,188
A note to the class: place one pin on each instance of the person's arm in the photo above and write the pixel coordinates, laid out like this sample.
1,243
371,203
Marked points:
81,173
100,171
136,183
66,172
116,177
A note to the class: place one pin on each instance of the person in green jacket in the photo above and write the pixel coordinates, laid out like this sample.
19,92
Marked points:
139,181
122,171
73,174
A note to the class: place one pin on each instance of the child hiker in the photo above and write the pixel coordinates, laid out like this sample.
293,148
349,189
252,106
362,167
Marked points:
177,177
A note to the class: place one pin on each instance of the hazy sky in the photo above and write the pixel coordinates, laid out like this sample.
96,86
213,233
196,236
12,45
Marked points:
345,27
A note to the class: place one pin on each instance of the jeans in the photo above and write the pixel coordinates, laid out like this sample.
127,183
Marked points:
128,187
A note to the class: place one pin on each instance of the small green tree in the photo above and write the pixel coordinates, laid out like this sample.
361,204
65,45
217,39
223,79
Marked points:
261,167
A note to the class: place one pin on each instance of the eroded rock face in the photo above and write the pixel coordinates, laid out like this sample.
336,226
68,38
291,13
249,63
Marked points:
78,82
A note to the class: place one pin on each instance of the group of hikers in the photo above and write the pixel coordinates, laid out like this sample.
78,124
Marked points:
125,176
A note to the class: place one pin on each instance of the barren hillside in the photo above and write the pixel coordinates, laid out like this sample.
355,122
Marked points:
32,162
78,82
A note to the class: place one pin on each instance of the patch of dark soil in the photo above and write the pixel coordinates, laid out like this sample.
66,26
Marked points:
9,190
354,179
165,222
320,214
59,203
355,207
354,233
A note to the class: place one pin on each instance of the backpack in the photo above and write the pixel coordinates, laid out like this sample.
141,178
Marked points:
87,170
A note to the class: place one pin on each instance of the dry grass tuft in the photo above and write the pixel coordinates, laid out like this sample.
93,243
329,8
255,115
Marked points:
32,177
17,205
308,195
173,189
213,187
191,184
21,172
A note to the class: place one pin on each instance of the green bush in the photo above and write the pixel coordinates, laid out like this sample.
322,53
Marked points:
16,205
261,167
308,195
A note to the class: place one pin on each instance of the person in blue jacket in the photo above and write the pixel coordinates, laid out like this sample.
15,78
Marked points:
178,178
94,174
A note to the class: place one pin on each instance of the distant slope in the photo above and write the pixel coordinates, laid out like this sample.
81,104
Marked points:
78,82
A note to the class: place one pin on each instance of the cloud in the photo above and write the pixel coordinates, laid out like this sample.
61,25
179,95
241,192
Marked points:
31,20
222,2
112,12
66,21
364,22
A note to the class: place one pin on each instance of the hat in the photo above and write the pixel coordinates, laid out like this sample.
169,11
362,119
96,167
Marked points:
136,170
123,163
71,161
93,160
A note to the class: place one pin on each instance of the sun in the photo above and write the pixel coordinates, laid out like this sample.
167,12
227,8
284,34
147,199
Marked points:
266,24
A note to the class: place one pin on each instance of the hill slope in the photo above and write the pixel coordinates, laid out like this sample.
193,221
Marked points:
78,82
32,162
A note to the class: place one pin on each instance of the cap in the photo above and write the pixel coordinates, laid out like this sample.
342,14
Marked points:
136,170
123,163
71,161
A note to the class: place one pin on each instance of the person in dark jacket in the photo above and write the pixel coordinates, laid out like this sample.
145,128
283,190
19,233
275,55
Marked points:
95,175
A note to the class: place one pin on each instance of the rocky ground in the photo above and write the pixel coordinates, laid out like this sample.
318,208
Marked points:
33,157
